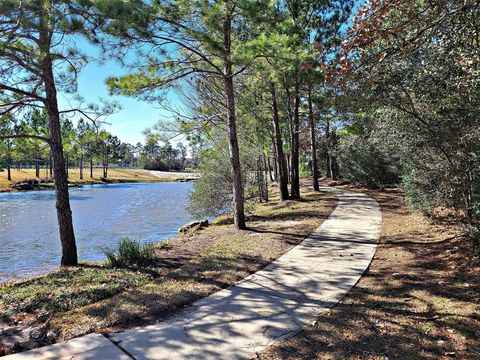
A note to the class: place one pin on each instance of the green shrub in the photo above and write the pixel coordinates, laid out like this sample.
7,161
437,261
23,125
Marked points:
212,192
473,233
368,162
305,166
129,252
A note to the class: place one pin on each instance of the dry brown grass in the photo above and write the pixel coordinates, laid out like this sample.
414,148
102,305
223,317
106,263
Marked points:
186,269
419,299
127,175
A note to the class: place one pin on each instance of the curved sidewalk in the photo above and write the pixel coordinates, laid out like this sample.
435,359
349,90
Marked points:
267,306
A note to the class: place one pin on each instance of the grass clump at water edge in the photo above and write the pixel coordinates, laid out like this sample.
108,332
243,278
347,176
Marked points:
129,252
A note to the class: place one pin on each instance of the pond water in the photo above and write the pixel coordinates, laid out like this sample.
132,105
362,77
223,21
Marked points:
102,214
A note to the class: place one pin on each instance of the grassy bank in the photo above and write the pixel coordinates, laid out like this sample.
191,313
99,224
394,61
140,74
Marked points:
419,299
95,298
114,175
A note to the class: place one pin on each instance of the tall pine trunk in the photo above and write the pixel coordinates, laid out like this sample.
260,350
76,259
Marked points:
81,167
64,213
280,155
91,167
37,166
105,164
270,169
9,166
295,139
238,196
313,143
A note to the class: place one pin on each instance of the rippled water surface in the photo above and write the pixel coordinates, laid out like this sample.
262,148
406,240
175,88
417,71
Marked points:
29,241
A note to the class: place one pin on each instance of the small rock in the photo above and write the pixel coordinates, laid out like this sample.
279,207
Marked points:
194,225
51,335
27,345
38,333
451,331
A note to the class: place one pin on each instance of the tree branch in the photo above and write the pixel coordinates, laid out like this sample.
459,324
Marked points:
25,136
21,92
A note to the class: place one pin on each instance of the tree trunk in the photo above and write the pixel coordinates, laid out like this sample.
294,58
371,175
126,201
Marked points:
313,142
275,161
81,167
266,168
270,169
64,213
91,168
37,166
328,168
295,138
105,164
9,160
9,171
238,197
281,162
289,158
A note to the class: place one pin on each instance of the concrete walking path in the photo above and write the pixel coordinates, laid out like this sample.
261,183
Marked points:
270,305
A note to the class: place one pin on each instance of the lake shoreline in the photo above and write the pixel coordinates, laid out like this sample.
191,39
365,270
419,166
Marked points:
129,176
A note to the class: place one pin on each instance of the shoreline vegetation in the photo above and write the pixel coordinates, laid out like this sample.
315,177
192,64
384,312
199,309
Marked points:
71,302
25,180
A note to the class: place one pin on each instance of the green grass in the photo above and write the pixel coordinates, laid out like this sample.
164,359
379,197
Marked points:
66,289
129,252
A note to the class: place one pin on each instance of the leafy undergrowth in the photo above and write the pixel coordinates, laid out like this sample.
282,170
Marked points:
419,299
95,298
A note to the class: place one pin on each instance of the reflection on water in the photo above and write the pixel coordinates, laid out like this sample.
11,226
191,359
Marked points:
102,214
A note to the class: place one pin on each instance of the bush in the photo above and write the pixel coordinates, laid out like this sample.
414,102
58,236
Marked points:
212,192
367,162
211,195
157,165
129,252
473,233
305,166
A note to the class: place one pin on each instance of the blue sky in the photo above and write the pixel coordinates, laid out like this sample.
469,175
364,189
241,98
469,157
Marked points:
135,115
